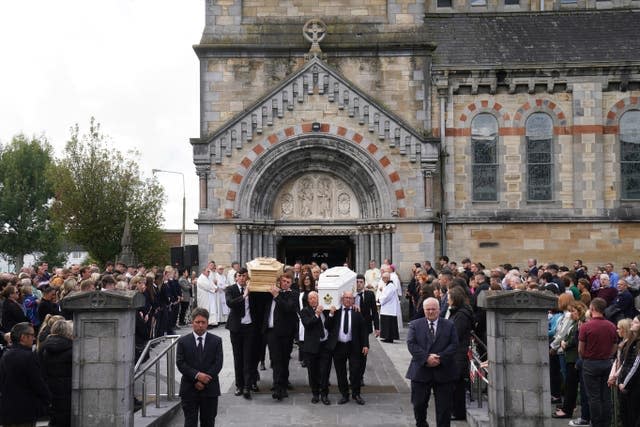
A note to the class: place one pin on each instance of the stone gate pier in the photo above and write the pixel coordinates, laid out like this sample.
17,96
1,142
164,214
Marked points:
103,357
518,354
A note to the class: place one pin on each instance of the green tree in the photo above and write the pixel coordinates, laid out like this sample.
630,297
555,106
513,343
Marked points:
96,187
26,194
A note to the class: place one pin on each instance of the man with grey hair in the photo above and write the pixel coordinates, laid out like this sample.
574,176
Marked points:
432,342
314,348
349,340
25,395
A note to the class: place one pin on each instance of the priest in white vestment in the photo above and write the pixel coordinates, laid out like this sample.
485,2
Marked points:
220,281
207,296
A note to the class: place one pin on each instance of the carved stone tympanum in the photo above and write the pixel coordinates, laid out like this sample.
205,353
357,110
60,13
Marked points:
316,196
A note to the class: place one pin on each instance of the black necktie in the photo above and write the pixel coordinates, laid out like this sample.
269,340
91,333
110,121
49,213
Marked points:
200,346
345,324
431,329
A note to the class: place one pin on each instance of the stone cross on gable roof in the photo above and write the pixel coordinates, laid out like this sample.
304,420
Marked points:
314,30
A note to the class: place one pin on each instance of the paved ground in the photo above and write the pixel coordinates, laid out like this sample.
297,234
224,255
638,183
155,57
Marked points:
386,394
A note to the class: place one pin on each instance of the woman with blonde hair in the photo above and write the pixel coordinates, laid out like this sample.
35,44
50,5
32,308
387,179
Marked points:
628,380
45,328
569,346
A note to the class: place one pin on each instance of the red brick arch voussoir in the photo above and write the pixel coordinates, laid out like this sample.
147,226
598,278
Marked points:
286,134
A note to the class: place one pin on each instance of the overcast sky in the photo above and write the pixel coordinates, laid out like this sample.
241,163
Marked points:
128,63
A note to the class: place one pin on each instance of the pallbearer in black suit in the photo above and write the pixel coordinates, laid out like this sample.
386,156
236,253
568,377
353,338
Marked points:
241,331
199,360
349,340
432,342
316,355
281,325
366,302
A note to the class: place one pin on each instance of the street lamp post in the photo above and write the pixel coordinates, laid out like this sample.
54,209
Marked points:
184,201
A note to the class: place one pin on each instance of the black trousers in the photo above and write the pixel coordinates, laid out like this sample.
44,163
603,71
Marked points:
242,344
343,353
280,348
570,389
459,405
318,369
420,394
207,406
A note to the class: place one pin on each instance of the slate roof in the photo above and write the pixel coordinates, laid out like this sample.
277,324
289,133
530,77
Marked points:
500,39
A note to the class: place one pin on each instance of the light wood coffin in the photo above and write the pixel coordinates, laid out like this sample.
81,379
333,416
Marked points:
263,273
332,283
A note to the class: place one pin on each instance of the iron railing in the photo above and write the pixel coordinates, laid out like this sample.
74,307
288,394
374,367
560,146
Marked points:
477,355
142,368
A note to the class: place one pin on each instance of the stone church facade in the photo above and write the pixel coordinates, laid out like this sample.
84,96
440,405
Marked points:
405,129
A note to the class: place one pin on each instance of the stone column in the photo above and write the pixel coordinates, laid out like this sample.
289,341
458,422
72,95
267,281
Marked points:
103,357
518,352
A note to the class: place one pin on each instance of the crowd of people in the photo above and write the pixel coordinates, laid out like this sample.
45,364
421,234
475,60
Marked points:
588,355
593,333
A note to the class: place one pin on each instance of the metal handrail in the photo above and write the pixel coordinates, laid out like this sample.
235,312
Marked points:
169,351
476,370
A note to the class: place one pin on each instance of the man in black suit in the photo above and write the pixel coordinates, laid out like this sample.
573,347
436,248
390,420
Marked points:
349,340
366,303
241,331
199,360
314,348
280,325
432,342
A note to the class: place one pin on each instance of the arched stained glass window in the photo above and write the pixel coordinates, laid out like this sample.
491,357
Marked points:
539,135
630,155
484,143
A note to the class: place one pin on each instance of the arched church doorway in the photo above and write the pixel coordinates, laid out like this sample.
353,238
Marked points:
334,250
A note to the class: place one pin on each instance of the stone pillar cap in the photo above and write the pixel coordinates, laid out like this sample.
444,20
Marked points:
518,300
102,301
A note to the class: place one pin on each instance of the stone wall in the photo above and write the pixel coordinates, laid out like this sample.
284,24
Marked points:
562,243
585,149
232,85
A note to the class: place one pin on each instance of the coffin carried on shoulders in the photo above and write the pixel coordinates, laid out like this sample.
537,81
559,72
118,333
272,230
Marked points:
332,283
263,273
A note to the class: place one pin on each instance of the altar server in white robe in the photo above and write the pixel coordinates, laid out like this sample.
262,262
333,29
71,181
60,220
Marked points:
220,281
207,296
389,308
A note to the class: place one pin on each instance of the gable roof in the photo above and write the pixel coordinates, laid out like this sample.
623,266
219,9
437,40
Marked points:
532,38
315,78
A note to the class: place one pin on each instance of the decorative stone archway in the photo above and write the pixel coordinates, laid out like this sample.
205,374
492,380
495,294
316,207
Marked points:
316,157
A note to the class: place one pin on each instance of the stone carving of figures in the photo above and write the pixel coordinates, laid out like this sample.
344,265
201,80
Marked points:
287,205
324,198
344,204
305,197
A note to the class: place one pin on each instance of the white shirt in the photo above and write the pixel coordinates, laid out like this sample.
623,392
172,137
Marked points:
435,325
246,320
196,336
342,337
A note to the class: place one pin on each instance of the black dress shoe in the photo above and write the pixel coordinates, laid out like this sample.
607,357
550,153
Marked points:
325,399
454,418
359,400
343,400
315,399
247,394
254,388
238,392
